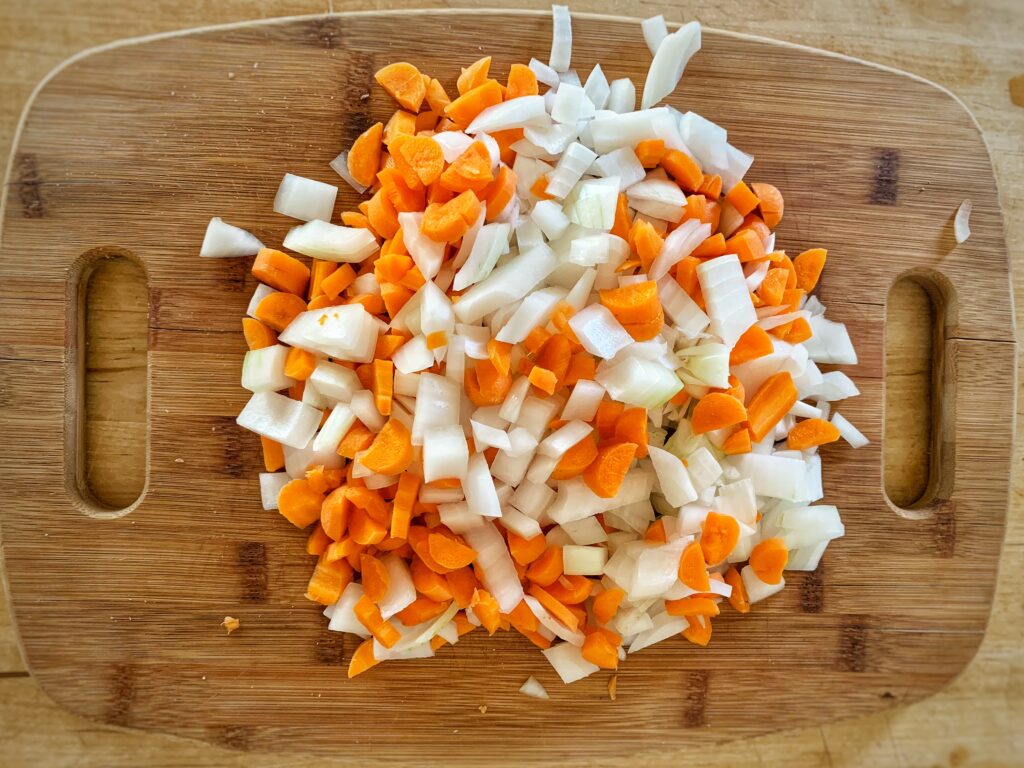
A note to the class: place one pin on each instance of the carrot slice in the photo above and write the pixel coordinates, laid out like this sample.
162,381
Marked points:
606,604
464,109
546,569
374,576
391,451
273,454
742,198
719,537
404,84
683,169
811,432
553,606
364,157
738,598
716,410
521,82
605,474
368,614
257,335
526,551
447,223
692,606
754,343
773,400
699,631
768,559
499,194
474,75
738,442
471,170
650,152
769,202
578,458
808,266
486,609
450,552
693,571
633,303
600,651
299,503
328,582
281,271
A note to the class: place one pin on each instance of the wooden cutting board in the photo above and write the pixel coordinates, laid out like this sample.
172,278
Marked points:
129,150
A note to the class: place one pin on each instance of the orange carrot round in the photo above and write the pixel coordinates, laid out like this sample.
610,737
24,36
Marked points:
718,537
716,410
768,559
599,650
811,432
299,504
404,84
693,571
606,472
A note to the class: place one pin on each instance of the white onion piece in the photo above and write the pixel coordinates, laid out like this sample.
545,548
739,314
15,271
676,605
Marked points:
592,203
850,433
489,436
437,405
519,523
583,402
670,59
580,292
640,382
548,215
673,477
426,253
334,429
703,469
280,418
443,496
343,617
599,332
611,130
400,592
656,569
624,164
271,484
656,197
455,360
514,113
305,199
513,401
767,323
678,245
690,320
453,144
565,437
458,517
364,406
706,140
544,73
830,343
665,626
535,310
962,222
445,453
755,274
571,105
654,31
478,486
508,283
552,138
834,385
258,295
263,369
561,38
774,476
521,443
737,500
321,240
365,284
340,166
223,240
726,297
436,312
583,561
298,460
532,499
574,638
597,88
334,381
413,356
533,689
528,234
758,590
574,162
622,96
541,468
499,572
347,332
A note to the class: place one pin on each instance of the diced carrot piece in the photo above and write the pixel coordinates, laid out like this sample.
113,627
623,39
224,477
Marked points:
605,474
404,84
364,157
281,271
742,198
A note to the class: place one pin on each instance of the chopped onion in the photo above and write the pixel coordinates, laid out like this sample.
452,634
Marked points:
347,332
703,469
364,406
670,59
574,162
962,222
639,382
597,88
726,297
533,689
665,626
673,479
583,402
592,202
400,592
660,198
226,240
758,590
498,572
506,284
513,402
532,499
335,428
413,356
271,484
334,381
654,31
343,617
548,215
565,437
583,561
599,332
678,245
263,369
561,38
489,436
690,320
622,96
830,342
478,485
737,500
774,476
519,523
426,253
598,250
437,405
445,453
544,73
552,138
611,130
280,418
535,311
571,105
850,433
514,113
453,144
305,199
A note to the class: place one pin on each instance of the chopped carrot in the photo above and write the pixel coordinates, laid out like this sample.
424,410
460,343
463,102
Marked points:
404,84
738,598
500,355
635,302
525,551
391,451
423,155
692,606
738,442
450,552
334,513
492,384
257,335
631,427
387,345
746,244
401,123
368,614
470,104
499,194
381,214
462,582
754,343
364,157
543,379
582,365
319,271
571,590
712,247
608,413
554,355
474,75
402,187
719,537
318,541
505,140
686,275
405,499
553,606
770,203
521,82
811,432
683,169
650,152
299,504
358,438
355,219
699,631
693,571
362,659
428,581
436,96
768,559
711,188
447,223
772,286
299,364
580,456
606,604
383,385
273,454
281,271
742,198
605,474
374,576
486,609
808,266
716,410
646,331
470,171
770,403
338,280
599,650
546,569
647,243
656,532
328,582
799,331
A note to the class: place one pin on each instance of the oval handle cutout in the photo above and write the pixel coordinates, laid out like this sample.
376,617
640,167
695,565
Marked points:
916,457
108,392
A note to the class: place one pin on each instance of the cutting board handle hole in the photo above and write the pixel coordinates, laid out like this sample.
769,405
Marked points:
108,374
916,456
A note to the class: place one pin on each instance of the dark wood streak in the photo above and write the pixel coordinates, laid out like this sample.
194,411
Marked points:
853,645
885,184
812,590
695,699
252,557
29,187
122,694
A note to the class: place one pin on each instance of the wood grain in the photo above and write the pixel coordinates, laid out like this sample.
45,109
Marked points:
854,645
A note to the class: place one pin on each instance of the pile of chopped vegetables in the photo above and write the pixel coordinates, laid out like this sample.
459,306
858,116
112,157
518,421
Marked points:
553,376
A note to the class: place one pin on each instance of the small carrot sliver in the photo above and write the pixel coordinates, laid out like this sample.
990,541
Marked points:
405,499
683,169
364,157
699,631
692,606
543,379
712,247
358,438
811,432
606,472
499,194
571,590
738,598
404,84
375,577
773,400
768,559
299,364
808,266
650,152
338,280
462,582
716,410
420,610
383,385
368,614
436,96
470,104
772,287
521,82
718,537
693,571
273,454
606,604
738,442
334,513
450,552
599,650
746,244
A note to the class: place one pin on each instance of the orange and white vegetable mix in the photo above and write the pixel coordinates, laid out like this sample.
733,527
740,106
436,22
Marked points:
553,375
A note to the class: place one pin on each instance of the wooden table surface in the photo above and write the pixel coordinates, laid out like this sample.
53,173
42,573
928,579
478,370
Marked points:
973,47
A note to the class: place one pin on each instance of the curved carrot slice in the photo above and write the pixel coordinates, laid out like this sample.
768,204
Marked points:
631,427
770,203
577,458
486,609
554,355
633,303
521,82
605,474
546,568
391,451
754,343
646,331
281,271
404,84
447,223
525,551
462,582
374,576
716,410
692,606
808,266
474,75
358,438
437,97
464,109
599,650
273,454
693,571
257,336
738,442
449,551
773,286
328,582
742,198
773,400
738,598
768,559
571,590
811,432
381,214
424,156
699,631
747,244
428,582
420,610
683,169
334,514
606,604
299,364
718,537
364,157
650,152
364,529
299,503
471,170
362,659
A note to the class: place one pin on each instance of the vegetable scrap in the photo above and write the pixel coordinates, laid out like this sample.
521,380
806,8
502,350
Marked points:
230,624
553,375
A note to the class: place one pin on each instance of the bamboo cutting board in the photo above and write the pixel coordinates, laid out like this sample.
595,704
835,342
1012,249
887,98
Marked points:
128,151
